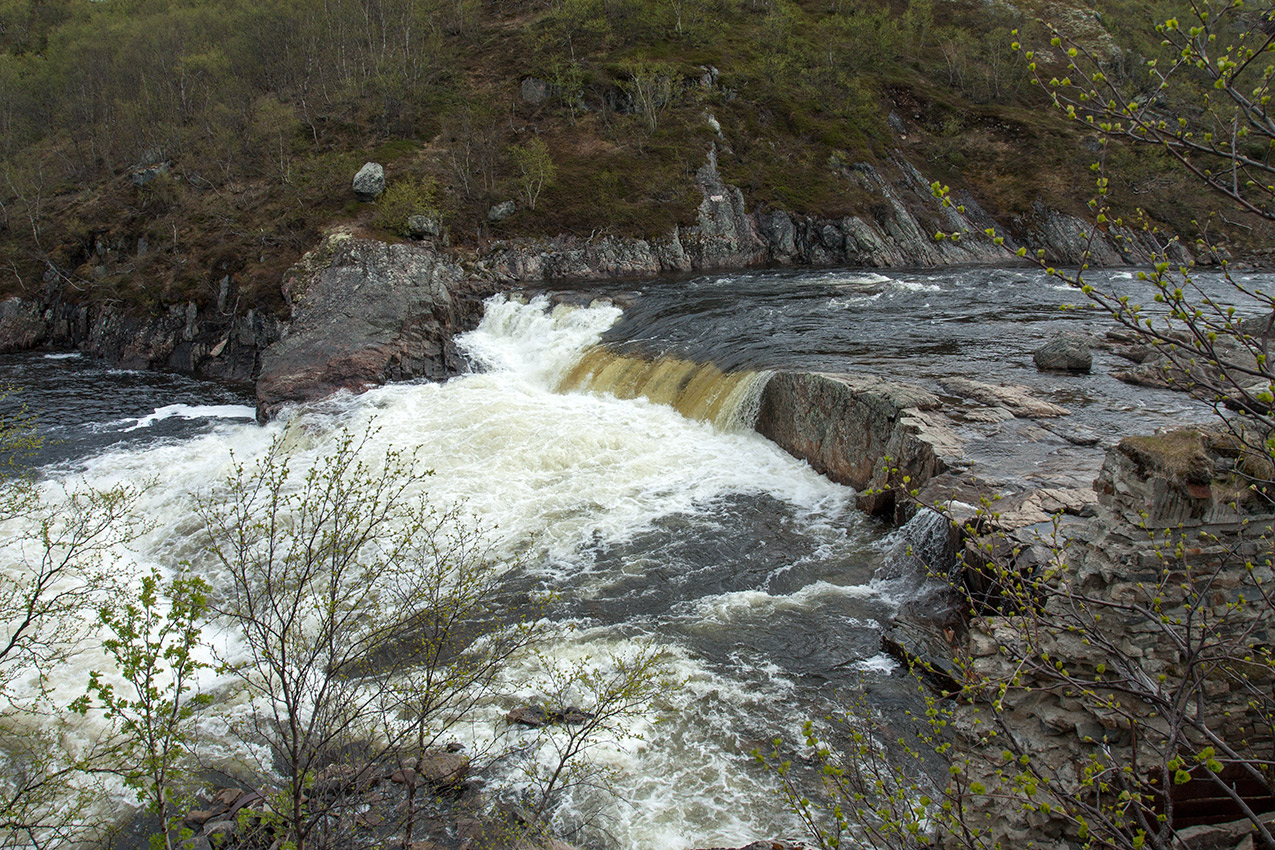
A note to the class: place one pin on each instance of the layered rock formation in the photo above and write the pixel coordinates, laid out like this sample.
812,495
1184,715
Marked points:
1130,645
217,341
869,433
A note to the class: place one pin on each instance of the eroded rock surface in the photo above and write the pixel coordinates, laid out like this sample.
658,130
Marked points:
367,312
863,431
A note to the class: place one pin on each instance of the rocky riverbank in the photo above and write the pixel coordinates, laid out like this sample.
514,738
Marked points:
390,309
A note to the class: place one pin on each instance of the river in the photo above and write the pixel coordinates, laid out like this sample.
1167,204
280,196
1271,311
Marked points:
765,586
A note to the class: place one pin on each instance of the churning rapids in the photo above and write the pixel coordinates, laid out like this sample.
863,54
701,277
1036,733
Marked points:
757,575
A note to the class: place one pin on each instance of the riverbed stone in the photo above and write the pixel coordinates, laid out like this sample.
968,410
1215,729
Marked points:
1064,354
1018,400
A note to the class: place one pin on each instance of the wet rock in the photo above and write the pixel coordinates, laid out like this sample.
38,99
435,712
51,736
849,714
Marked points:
364,313
1077,435
926,648
21,325
1064,354
765,845
226,797
863,431
337,779
501,211
777,228
218,827
442,769
1017,400
369,182
538,715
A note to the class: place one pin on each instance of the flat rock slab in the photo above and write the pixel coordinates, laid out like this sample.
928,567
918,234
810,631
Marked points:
1017,400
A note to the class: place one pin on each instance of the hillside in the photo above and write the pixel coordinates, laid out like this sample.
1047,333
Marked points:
158,152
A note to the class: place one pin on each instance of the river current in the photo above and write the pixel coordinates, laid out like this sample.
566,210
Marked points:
765,586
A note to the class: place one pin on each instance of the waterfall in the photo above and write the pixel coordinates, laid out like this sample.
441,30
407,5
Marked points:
698,391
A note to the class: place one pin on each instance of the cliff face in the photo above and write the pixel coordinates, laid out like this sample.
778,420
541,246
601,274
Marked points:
1143,644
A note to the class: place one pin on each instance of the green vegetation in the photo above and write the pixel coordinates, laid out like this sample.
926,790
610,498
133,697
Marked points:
152,147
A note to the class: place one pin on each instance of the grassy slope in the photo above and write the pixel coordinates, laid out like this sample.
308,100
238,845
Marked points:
801,88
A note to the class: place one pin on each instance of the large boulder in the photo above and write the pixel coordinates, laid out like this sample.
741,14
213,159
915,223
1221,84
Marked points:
1064,354
369,182
366,312
501,211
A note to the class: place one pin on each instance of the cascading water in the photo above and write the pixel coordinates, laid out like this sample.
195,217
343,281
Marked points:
606,454
751,571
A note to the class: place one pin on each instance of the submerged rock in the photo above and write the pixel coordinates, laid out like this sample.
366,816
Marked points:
1015,399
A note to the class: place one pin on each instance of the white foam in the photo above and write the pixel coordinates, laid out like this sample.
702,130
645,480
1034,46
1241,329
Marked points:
71,355
728,608
194,411
856,279
554,475
916,286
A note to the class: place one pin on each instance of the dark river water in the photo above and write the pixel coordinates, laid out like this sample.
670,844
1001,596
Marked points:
758,577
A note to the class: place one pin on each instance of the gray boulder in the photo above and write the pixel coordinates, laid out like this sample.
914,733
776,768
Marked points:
369,183
535,91
146,173
364,313
423,227
501,211
1064,354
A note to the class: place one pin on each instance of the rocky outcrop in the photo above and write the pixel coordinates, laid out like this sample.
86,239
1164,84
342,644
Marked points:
183,338
365,312
22,325
1084,673
869,433
899,231
725,235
